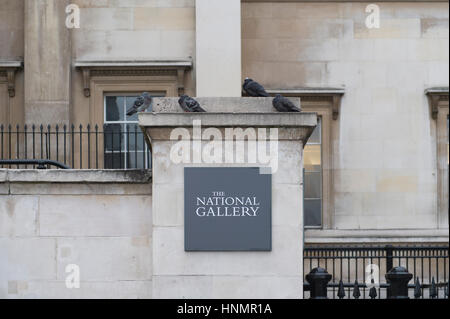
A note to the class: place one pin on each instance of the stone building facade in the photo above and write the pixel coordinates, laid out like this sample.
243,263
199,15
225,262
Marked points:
375,172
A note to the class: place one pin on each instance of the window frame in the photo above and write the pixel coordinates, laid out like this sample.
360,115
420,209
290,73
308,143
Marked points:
321,177
111,84
124,122
326,102
324,110
442,162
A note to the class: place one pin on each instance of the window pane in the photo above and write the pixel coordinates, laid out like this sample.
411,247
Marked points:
316,136
313,178
136,157
313,212
114,137
313,185
312,158
130,101
114,160
135,138
114,108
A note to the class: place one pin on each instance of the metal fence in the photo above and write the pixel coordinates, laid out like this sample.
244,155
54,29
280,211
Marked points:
349,267
110,146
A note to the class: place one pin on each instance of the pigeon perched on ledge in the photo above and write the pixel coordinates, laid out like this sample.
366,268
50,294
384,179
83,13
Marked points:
188,104
282,104
253,88
141,104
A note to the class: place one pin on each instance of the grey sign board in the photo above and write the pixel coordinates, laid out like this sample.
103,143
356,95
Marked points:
227,209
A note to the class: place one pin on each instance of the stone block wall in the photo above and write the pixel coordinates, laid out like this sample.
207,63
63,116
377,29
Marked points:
384,141
100,221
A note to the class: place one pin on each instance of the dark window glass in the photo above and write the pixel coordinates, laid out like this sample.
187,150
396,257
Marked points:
312,162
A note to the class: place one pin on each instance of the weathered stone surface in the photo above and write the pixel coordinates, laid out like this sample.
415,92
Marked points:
282,120
170,258
18,216
23,188
218,38
76,176
121,289
101,215
225,287
106,258
46,75
328,44
25,259
221,104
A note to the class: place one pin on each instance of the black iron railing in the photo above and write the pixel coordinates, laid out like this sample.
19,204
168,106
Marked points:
112,146
349,268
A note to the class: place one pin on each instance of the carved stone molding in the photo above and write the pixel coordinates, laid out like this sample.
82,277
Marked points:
174,68
333,95
8,70
436,95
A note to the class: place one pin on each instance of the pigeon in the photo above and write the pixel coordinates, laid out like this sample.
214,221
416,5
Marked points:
253,88
188,104
141,104
283,104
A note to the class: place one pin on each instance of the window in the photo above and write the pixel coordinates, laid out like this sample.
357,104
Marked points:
318,190
443,163
438,99
124,142
313,178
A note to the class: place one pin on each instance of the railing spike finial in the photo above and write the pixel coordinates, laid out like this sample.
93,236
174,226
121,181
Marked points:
433,290
417,289
341,290
356,292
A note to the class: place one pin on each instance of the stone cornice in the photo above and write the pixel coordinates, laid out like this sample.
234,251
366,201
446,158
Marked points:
436,95
8,69
334,95
175,68
223,113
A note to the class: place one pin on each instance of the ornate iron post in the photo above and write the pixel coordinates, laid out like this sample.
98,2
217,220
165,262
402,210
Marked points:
398,278
318,279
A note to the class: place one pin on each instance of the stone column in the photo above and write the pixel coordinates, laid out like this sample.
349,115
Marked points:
46,62
227,274
218,48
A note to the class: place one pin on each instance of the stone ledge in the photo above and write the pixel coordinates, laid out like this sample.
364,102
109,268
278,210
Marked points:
75,176
333,236
186,63
222,104
281,120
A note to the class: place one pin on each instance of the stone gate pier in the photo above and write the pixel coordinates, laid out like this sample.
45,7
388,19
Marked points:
220,251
